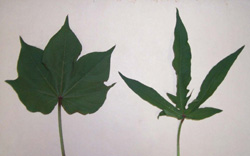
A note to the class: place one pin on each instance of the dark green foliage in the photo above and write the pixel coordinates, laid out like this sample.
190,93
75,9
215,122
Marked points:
214,78
181,63
150,95
203,113
45,76
182,66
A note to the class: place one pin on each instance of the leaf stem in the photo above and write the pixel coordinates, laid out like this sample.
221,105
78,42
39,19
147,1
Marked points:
178,136
60,125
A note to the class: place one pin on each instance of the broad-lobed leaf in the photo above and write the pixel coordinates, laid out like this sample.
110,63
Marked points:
33,83
203,113
150,95
181,62
214,78
86,91
56,73
60,55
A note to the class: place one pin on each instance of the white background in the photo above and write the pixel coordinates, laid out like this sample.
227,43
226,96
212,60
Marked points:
143,34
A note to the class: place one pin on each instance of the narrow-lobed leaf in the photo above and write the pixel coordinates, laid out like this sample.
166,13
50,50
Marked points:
214,78
45,77
173,99
162,113
181,62
150,95
169,114
203,113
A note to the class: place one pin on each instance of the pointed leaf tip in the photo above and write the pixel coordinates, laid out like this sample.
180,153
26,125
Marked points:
112,85
112,49
8,81
23,43
21,40
177,13
162,113
241,48
66,23
238,51
120,73
122,76
20,37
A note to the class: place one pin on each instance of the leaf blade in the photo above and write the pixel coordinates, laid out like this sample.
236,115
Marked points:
173,99
92,67
167,113
181,62
87,85
213,79
89,101
50,73
32,85
150,95
60,54
203,113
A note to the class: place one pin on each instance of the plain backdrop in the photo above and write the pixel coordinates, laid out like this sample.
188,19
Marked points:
143,32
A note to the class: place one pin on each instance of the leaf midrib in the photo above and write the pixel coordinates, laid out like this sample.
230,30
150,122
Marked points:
44,78
63,64
180,62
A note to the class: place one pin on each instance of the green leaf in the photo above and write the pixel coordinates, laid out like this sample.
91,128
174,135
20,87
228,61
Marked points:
173,99
86,92
203,113
60,55
150,95
169,114
181,62
162,113
32,85
214,78
56,73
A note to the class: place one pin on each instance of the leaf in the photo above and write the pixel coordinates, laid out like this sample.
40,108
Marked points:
87,92
46,76
162,113
32,85
214,78
203,113
150,95
60,54
167,113
173,99
181,62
